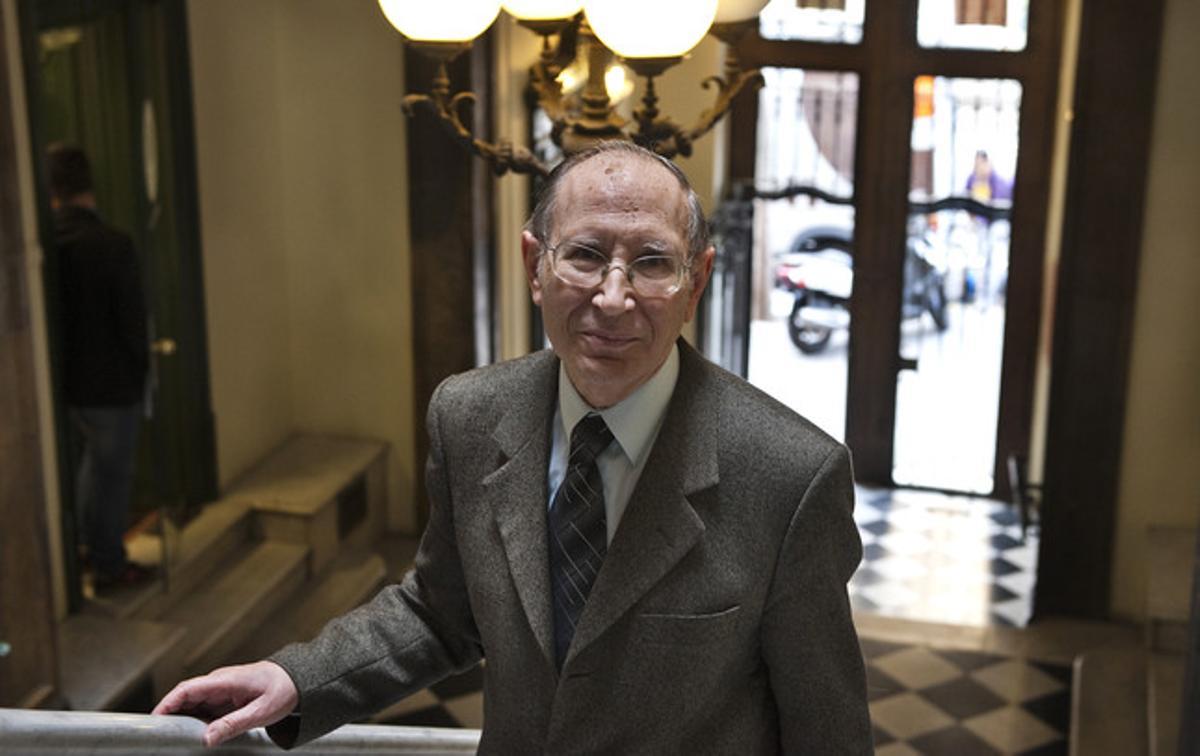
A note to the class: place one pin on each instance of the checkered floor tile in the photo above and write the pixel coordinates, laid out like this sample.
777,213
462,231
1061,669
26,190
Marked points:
939,558
935,701
923,701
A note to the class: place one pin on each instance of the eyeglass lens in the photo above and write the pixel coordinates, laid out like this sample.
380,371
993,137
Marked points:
649,275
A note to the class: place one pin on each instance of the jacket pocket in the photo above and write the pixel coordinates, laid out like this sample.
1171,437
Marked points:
686,629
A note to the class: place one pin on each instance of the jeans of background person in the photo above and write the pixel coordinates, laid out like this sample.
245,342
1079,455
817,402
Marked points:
105,480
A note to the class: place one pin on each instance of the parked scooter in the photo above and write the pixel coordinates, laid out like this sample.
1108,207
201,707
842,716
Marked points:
818,270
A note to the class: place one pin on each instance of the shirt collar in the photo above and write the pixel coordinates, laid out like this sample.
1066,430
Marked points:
635,419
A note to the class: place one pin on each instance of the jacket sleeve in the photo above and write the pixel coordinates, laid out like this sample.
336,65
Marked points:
811,649
409,636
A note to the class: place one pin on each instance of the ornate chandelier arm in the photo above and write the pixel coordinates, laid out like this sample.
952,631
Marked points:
543,80
503,156
668,138
726,92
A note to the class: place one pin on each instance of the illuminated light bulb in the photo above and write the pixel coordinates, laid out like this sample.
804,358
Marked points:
732,11
618,83
572,77
617,80
539,10
650,28
444,21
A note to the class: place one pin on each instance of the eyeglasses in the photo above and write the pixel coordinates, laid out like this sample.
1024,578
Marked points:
651,276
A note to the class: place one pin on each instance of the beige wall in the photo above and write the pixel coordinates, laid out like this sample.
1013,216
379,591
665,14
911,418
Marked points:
240,161
1160,466
301,152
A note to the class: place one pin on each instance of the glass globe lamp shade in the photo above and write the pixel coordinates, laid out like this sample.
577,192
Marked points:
650,28
541,10
732,11
443,21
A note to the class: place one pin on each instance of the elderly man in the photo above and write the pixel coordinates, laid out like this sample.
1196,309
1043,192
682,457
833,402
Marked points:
650,554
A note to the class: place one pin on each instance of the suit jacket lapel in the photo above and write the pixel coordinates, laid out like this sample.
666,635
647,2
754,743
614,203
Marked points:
659,526
517,489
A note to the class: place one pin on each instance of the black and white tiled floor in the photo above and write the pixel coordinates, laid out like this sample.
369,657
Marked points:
939,701
939,558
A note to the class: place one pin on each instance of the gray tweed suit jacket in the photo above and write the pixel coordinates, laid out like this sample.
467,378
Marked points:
719,622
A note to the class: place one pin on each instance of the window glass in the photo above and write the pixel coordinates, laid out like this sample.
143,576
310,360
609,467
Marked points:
964,158
813,20
973,24
804,230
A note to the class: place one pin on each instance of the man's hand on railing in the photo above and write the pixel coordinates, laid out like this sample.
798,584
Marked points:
233,699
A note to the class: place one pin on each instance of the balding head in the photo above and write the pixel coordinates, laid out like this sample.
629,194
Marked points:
541,221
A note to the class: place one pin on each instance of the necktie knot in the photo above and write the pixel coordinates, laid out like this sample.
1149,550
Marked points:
590,437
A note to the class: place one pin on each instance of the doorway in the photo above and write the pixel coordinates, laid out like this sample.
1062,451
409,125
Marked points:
894,302
965,140
112,78
884,106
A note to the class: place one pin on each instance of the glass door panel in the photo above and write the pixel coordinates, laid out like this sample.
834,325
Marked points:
973,24
813,20
964,150
803,232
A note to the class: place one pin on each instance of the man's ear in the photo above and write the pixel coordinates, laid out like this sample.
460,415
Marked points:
701,271
531,255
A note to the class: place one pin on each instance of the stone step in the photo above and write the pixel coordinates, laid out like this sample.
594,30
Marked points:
1108,702
209,542
223,614
203,545
353,578
323,491
1165,688
134,652
1171,566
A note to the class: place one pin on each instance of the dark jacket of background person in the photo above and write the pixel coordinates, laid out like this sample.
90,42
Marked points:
103,311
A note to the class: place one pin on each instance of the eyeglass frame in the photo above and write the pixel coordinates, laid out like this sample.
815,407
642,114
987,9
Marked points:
552,250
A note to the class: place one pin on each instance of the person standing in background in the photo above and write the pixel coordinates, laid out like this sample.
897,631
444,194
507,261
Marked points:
106,358
984,184
987,187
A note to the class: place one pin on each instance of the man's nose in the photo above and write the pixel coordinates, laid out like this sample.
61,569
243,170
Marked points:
615,294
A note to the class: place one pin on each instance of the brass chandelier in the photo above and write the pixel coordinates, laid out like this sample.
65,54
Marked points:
650,36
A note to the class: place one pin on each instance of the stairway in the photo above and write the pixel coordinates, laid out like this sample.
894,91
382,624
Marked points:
289,546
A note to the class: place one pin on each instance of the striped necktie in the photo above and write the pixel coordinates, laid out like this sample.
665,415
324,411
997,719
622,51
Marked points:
578,534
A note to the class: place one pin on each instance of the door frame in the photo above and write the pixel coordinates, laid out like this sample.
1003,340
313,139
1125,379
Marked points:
887,61
29,667
1095,302
196,438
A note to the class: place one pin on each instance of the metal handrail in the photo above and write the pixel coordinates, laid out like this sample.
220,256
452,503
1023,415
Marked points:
74,733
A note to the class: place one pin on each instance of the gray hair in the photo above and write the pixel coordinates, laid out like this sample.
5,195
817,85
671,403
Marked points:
543,211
